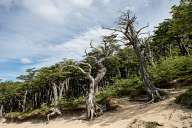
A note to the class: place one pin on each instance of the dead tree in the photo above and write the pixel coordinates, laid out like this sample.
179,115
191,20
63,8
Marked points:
90,99
99,55
131,37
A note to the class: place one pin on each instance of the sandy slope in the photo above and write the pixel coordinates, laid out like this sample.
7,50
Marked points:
130,115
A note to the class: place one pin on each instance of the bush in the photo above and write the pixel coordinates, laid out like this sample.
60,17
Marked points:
185,98
71,103
171,69
124,87
21,116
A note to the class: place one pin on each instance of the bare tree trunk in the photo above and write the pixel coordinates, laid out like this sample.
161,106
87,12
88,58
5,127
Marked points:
1,111
150,54
148,85
66,86
24,101
55,94
35,99
100,74
126,72
90,100
61,89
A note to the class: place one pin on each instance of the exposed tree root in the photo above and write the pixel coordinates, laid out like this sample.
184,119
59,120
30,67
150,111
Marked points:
53,112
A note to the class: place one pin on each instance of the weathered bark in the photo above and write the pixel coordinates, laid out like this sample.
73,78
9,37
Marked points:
100,74
61,89
90,100
55,94
53,112
1,111
35,98
131,38
150,54
24,101
66,88
148,85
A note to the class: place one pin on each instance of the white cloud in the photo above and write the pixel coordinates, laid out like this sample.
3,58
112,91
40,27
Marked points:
82,3
77,45
2,78
131,8
73,49
106,1
26,61
55,10
45,9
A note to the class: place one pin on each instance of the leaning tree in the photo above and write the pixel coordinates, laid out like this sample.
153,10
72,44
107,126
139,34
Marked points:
131,37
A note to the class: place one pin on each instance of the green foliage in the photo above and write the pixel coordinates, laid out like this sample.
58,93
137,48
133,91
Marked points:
9,89
171,69
21,116
185,98
174,36
71,103
122,87
127,58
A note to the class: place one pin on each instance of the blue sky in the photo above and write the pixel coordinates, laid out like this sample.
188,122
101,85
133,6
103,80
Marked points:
36,33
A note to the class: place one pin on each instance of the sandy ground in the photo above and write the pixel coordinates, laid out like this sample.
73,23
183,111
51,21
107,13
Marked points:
131,115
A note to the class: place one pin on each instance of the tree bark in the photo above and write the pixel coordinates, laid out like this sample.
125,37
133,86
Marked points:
90,100
24,101
61,89
55,94
148,85
100,74
1,111
150,54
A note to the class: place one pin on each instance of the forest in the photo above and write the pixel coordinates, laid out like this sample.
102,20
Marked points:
129,63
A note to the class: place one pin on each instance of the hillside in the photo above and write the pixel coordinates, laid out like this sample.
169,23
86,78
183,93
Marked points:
164,114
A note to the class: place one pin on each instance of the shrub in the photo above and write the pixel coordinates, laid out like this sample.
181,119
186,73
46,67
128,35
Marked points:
185,98
21,116
123,87
171,69
70,103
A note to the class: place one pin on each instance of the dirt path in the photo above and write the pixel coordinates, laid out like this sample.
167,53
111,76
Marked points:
164,114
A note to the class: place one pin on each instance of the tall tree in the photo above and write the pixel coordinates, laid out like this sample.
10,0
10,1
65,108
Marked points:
131,37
